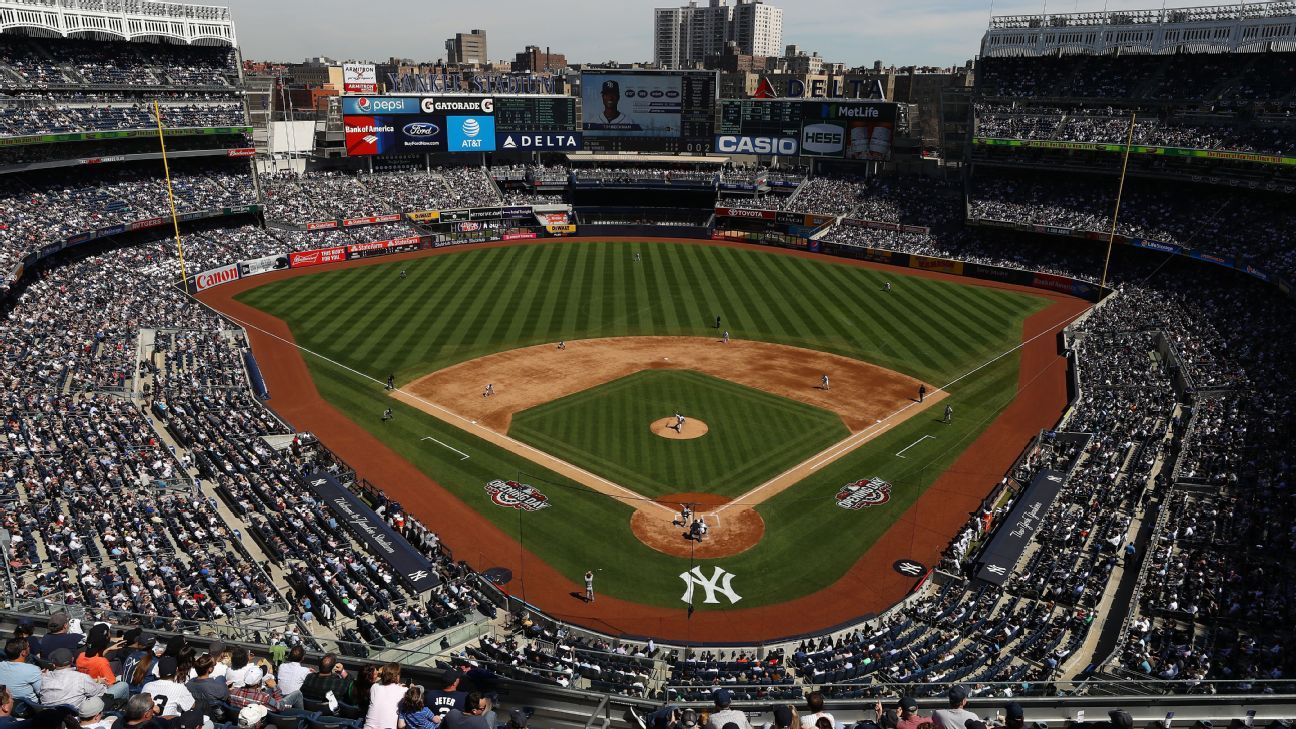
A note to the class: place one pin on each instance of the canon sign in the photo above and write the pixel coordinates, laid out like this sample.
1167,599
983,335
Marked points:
216,277
825,139
784,146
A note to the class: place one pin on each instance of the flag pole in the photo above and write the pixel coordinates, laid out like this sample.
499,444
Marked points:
1120,191
175,222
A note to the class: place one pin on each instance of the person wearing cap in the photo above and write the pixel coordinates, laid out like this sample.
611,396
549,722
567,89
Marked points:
63,684
178,698
91,715
723,714
16,672
58,636
957,715
518,719
785,716
611,113
449,697
1014,716
908,717
814,710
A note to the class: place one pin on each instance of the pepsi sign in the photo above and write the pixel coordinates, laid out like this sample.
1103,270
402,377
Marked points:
732,144
367,105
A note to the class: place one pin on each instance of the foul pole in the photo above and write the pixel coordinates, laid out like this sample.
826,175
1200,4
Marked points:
175,222
1120,191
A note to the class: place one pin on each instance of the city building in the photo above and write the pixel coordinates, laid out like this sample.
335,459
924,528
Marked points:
467,49
684,37
535,59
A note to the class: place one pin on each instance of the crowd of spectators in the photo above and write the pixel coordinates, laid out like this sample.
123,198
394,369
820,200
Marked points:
316,196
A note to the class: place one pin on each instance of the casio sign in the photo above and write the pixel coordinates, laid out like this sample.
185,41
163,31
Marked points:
822,138
421,129
756,145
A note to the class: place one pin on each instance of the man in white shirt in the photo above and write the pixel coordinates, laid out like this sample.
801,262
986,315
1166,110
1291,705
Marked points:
723,714
292,674
814,710
177,698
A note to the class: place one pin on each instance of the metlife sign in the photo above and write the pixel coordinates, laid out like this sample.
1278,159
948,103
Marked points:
529,141
772,146
471,133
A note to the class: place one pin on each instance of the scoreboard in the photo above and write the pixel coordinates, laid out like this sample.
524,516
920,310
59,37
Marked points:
857,130
535,113
648,111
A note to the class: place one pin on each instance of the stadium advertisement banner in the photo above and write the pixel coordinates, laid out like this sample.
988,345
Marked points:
455,216
359,78
568,229
1017,531
1271,159
241,152
484,214
1155,245
424,216
940,265
526,235
1052,282
318,257
631,105
371,220
264,264
389,134
379,536
515,212
146,223
30,139
772,146
216,276
470,133
746,213
530,141
322,225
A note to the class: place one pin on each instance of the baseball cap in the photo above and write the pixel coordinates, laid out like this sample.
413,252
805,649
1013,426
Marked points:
251,715
519,717
722,697
90,707
61,657
449,676
1014,711
689,718
167,666
133,636
216,648
908,703
613,86
957,693
57,621
1121,719
783,715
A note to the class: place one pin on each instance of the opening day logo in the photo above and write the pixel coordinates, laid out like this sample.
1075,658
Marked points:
862,494
514,495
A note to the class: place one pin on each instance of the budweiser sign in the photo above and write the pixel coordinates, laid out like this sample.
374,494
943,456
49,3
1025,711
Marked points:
241,152
317,257
514,495
862,494
216,277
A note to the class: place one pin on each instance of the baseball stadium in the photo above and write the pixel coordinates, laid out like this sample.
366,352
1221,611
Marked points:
384,395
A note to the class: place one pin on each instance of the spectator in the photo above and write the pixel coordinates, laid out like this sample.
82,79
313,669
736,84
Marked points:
384,698
956,716
474,717
330,677
207,688
1014,716
292,674
785,717
91,715
63,684
814,710
178,698
723,714
93,663
58,637
7,719
21,678
449,696
413,714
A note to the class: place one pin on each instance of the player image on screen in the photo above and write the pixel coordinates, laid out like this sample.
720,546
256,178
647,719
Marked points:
611,117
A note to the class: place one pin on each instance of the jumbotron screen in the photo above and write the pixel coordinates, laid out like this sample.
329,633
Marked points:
648,111
378,125
835,128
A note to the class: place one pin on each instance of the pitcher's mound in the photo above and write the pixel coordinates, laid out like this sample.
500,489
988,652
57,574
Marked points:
693,428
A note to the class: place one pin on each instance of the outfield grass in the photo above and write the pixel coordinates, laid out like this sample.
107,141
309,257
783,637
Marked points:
753,435
457,307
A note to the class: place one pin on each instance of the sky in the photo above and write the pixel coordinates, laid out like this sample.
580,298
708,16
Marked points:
856,32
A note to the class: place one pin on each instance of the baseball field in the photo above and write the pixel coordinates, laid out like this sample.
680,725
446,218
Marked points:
569,464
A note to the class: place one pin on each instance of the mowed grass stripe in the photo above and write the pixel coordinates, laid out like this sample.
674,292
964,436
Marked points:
386,328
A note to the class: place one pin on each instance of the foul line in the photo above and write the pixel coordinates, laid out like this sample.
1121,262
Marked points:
911,445
467,424
456,450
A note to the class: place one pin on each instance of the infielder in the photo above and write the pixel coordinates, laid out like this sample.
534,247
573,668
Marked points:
823,382
725,339
391,382
490,390
922,393
589,586
562,344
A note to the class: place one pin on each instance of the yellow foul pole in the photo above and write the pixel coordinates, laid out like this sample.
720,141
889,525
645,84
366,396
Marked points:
175,222
1120,191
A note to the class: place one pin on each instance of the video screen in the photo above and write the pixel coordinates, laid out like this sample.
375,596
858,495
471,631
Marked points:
648,111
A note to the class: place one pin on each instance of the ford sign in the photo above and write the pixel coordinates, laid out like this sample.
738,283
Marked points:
421,129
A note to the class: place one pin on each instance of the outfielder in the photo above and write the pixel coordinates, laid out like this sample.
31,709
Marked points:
387,415
403,274
949,413
589,586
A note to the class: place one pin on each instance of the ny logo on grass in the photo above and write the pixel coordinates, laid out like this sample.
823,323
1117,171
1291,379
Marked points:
721,582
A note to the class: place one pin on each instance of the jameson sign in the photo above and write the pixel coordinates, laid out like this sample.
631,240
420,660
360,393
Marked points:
118,134
377,535
1269,159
